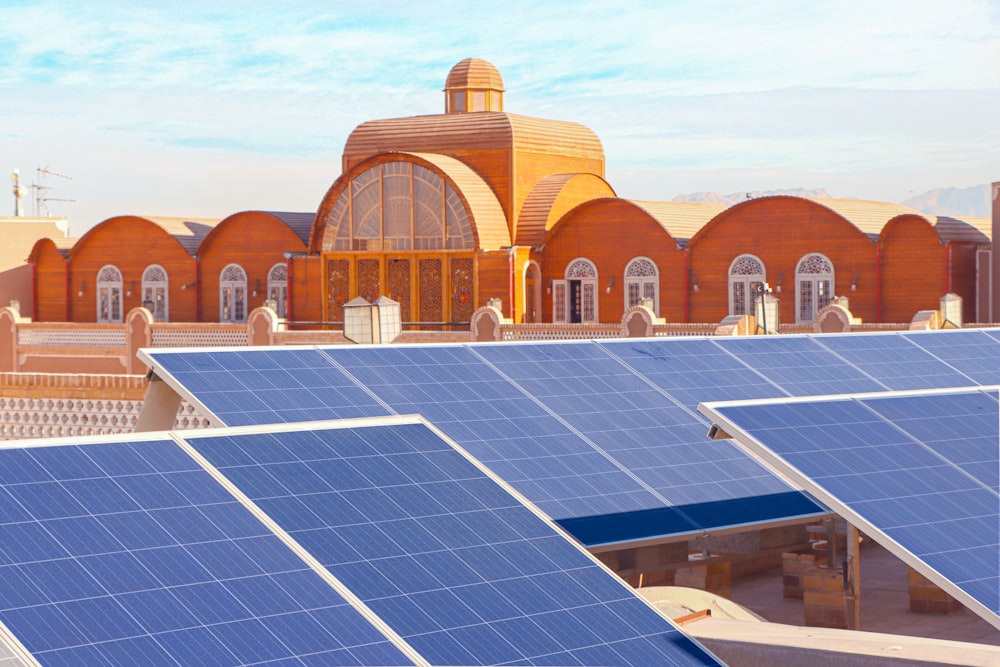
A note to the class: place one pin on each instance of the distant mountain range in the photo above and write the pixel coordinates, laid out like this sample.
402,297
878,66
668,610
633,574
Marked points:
737,197
957,202
973,202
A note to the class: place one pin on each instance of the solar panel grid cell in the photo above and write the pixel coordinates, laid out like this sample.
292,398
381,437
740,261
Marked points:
800,365
896,361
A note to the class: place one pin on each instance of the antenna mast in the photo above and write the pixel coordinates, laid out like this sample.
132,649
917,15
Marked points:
41,208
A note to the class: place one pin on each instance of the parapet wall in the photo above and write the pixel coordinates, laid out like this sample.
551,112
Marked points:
43,405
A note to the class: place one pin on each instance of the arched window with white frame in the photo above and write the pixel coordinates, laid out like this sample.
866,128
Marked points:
642,281
574,299
155,292
109,295
233,294
277,287
813,286
746,275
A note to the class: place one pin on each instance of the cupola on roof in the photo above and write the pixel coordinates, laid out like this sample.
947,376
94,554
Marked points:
473,84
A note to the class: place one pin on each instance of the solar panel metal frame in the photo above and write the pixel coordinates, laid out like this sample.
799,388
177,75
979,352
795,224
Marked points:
776,463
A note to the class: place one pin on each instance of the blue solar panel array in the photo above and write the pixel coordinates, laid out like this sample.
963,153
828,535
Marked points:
275,386
129,553
921,469
602,436
452,562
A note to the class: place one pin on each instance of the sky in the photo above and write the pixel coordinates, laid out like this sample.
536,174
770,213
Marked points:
205,109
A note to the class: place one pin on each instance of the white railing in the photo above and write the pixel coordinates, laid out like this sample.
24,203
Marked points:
187,336
30,335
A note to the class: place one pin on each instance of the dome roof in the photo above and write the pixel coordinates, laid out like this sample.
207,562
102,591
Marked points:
474,73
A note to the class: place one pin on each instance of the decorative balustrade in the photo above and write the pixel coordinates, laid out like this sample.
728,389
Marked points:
23,417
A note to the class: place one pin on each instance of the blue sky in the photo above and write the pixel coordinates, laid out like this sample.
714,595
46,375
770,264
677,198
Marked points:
206,109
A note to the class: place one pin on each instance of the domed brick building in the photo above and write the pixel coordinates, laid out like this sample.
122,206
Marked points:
448,211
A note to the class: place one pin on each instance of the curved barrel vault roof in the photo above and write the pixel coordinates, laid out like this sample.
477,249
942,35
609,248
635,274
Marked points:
868,217
187,232
970,229
489,225
300,224
467,131
61,244
551,198
681,220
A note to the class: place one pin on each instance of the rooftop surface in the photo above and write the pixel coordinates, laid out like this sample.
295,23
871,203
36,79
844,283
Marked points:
884,603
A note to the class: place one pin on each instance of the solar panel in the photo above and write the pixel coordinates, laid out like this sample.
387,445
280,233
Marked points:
896,361
504,427
645,431
241,387
971,352
128,552
918,472
692,370
800,365
453,562
552,434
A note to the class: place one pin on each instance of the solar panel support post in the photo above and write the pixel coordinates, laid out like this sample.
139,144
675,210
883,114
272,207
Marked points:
852,578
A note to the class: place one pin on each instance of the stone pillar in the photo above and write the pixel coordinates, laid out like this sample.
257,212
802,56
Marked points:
138,334
713,577
825,603
9,318
486,321
262,324
793,569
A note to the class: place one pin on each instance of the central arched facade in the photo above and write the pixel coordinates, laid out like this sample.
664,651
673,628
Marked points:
400,226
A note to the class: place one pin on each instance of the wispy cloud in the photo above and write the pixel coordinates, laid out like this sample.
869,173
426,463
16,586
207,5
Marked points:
778,86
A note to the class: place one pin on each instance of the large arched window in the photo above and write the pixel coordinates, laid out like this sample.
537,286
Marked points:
398,206
155,292
746,275
574,299
277,287
642,281
233,294
813,286
109,295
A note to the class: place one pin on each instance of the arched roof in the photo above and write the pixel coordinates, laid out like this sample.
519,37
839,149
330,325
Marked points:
300,224
188,232
489,225
682,220
551,198
868,217
474,73
973,230
485,130
61,244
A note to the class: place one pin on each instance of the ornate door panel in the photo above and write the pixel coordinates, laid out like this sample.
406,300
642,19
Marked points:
431,289
369,279
338,285
398,278
462,289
